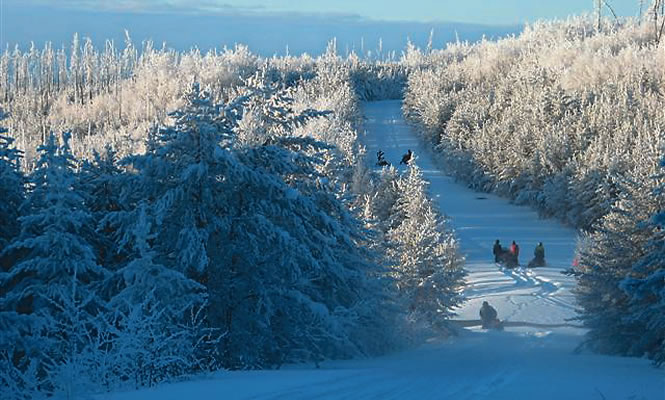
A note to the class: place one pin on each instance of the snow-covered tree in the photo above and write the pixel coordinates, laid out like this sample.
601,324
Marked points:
13,326
645,287
51,284
282,265
183,173
153,324
11,189
316,277
420,249
102,184
429,272
606,257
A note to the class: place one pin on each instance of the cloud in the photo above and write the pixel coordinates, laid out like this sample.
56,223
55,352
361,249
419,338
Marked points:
181,7
148,6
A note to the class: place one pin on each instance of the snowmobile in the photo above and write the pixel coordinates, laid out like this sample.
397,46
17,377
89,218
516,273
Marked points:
508,259
494,324
536,262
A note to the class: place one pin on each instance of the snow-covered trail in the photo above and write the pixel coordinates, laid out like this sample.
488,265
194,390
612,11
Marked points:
539,296
527,362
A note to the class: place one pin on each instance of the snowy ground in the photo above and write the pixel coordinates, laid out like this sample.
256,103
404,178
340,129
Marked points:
533,358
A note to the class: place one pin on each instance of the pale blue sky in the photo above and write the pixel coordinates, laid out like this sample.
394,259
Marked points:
269,26
473,11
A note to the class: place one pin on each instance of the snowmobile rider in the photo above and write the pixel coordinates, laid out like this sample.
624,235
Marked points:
488,316
539,252
406,158
497,250
381,162
515,251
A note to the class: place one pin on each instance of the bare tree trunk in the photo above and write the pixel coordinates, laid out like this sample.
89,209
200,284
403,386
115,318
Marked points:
658,19
609,7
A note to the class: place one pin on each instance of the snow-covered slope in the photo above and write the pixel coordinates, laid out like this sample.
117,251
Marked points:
534,358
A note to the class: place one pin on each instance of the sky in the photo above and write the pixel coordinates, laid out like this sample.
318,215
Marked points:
269,26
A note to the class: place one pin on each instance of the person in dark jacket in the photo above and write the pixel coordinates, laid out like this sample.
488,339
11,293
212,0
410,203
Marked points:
497,250
539,252
488,316
538,257
381,162
406,158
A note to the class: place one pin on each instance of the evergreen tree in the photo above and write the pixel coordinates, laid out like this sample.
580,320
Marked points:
645,286
52,282
13,325
315,253
606,257
429,272
183,174
154,329
11,191
285,279
102,183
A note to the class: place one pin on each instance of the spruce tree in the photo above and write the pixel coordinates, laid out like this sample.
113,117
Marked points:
154,330
606,257
429,271
12,191
52,281
645,286
103,183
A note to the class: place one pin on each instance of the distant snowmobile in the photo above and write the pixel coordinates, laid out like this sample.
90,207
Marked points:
381,161
406,158
536,263
506,258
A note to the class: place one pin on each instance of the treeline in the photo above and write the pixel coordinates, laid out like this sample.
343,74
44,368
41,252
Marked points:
568,118
233,226
114,95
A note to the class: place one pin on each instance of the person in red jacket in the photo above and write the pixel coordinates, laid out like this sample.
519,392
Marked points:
515,251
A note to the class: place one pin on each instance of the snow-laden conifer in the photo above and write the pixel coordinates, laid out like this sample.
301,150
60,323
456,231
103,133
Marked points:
429,271
52,281
420,249
183,173
12,189
102,183
645,286
153,324
606,257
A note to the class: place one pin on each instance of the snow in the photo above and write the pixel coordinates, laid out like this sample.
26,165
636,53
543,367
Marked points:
534,358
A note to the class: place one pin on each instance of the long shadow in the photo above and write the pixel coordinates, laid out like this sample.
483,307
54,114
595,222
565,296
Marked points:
472,323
